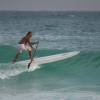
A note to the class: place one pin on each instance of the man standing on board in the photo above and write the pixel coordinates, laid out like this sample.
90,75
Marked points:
25,44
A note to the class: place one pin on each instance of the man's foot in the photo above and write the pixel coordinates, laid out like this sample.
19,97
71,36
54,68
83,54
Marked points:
13,61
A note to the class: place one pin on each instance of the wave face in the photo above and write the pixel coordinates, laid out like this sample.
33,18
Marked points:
76,78
85,63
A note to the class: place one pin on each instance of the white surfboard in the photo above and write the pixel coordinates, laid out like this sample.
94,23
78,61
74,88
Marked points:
47,59
52,58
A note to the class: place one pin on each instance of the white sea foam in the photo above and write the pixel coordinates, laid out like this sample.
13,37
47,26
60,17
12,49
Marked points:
9,70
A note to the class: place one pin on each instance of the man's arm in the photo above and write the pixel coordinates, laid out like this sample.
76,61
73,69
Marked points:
29,44
36,42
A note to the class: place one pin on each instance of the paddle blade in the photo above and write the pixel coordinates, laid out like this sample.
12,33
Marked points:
29,65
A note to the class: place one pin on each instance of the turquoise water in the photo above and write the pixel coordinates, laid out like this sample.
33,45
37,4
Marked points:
76,78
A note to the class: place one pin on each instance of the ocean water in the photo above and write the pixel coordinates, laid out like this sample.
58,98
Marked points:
76,78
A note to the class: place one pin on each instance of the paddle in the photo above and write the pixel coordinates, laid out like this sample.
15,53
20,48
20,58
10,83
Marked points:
34,52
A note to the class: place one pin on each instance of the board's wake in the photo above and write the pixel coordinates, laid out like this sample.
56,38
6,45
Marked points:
8,70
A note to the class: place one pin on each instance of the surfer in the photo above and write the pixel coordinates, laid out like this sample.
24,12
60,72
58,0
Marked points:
25,44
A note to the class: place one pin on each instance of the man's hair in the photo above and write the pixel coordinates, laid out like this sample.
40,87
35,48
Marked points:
29,33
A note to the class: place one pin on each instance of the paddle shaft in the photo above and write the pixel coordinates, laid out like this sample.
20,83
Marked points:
35,49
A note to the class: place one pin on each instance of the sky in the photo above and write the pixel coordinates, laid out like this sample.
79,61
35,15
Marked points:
50,5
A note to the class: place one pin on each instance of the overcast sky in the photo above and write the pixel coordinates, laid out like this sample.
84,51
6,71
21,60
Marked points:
52,5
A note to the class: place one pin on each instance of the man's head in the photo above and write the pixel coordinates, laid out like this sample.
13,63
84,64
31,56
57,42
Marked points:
29,34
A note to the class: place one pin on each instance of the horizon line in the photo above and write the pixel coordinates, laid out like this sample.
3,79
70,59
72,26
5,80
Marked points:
52,10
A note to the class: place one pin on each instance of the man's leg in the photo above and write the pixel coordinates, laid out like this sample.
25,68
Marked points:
16,57
31,57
